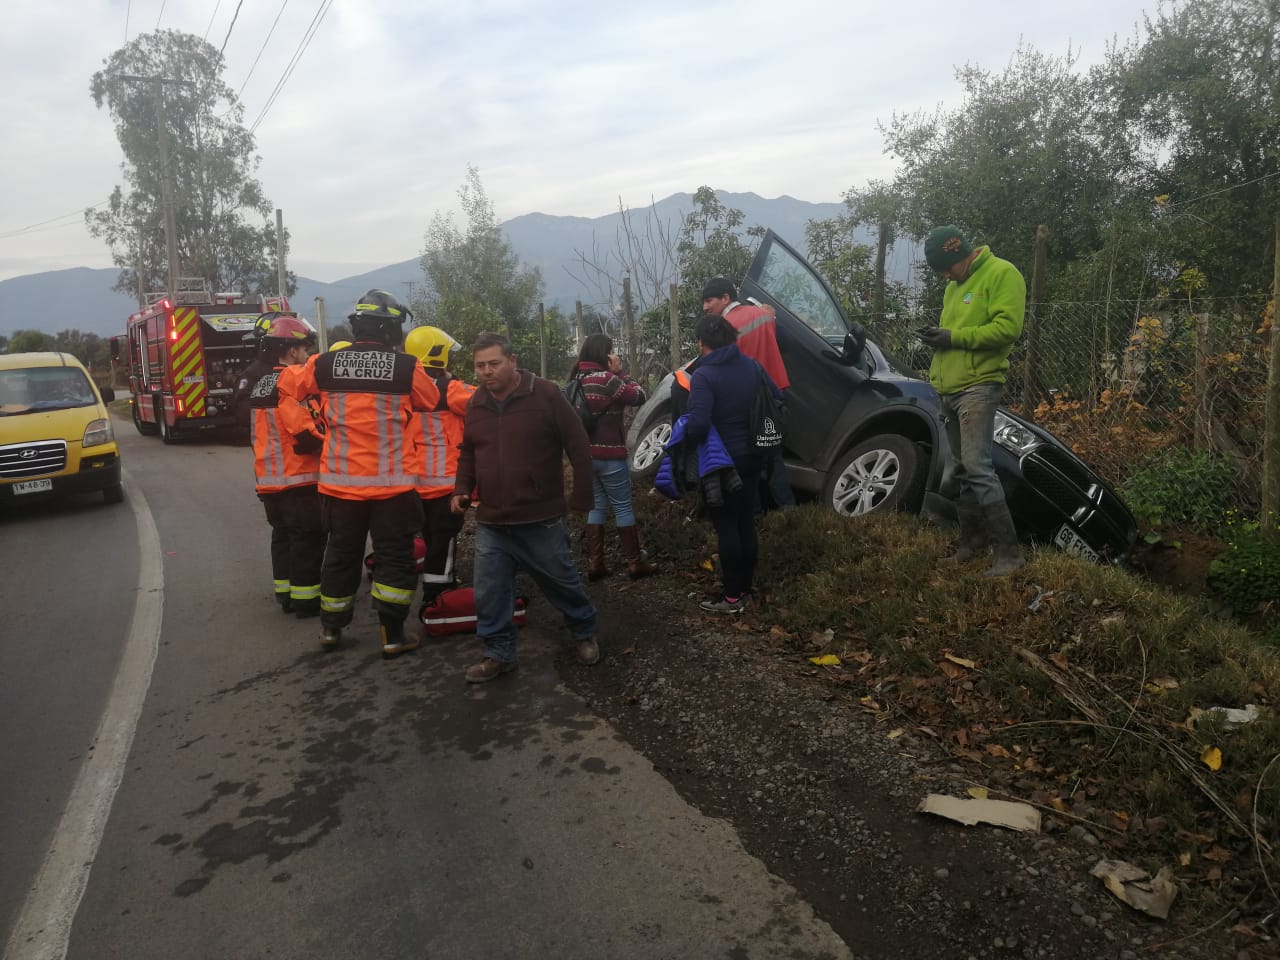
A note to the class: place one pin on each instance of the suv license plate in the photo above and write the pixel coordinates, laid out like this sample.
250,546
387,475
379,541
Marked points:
1074,544
33,486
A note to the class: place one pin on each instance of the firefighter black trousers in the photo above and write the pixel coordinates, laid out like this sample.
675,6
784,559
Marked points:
297,542
440,527
391,524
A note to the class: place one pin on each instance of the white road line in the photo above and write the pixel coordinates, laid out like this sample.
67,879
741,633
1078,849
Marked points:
43,928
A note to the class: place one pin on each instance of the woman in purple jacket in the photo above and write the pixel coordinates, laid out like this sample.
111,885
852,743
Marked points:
609,392
721,394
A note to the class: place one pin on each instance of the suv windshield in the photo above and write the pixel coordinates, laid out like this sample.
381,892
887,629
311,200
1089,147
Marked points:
791,282
43,388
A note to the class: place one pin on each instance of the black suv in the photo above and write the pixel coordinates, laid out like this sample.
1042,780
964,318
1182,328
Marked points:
865,436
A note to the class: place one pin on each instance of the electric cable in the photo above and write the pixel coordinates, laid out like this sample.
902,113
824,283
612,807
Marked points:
163,4
33,227
263,48
293,62
231,27
211,19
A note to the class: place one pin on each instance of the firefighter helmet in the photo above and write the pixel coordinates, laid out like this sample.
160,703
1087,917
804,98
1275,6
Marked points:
431,345
288,329
339,345
380,316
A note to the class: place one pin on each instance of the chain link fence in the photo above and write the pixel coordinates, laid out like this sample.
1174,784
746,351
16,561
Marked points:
1126,382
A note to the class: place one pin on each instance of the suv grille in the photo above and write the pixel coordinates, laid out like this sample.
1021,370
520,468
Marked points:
1071,485
18,460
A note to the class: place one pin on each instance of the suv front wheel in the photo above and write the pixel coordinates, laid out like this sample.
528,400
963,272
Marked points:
653,438
884,472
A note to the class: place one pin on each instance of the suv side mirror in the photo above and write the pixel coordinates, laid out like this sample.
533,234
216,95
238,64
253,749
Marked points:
855,341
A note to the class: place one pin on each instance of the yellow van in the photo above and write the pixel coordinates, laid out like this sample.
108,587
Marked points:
55,432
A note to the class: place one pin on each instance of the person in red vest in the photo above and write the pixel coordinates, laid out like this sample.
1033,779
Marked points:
441,433
286,467
757,339
369,395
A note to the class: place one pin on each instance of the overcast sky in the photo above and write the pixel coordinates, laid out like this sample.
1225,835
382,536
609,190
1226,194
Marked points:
565,106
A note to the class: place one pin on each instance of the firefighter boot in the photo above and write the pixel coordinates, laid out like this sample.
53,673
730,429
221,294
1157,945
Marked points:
286,603
595,552
637,565
973,533
1005,537
394,641
330,637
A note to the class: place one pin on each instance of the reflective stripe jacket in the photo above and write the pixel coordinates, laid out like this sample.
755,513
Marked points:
368,396
440,433
758,338
276,421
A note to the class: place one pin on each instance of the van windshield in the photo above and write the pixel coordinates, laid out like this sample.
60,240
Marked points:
34,389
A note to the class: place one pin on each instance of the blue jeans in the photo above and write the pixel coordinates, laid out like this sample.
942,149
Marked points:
970,422
612,489
541,550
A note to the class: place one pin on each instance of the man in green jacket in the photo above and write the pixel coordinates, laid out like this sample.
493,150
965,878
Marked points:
982,312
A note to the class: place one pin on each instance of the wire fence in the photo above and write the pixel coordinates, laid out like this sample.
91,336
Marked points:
1125,382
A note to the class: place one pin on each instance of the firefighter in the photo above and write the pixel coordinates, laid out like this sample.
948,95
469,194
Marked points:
263,363
441,432
286,466
369,393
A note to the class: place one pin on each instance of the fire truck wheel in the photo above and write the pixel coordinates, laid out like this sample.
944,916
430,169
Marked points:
167,433
144,428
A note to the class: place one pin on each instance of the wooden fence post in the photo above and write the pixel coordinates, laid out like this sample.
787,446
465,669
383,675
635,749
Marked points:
1031,368
581,334
628,328
1271,425
1202,429
542,341
672,293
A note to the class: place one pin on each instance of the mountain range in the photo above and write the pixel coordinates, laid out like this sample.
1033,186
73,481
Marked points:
82,298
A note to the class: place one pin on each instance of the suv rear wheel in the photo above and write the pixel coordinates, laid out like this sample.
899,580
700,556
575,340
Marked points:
884,472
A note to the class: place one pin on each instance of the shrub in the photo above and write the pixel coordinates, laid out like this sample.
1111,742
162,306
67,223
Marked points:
1182,487
1247,576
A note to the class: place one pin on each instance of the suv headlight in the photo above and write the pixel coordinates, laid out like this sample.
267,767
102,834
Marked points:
97,433
1014,436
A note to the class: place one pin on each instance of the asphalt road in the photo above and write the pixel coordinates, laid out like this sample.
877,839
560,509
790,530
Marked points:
279,801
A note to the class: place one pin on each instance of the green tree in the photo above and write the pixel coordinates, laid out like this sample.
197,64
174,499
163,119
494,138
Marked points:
31,341
4,343
225,225
475,281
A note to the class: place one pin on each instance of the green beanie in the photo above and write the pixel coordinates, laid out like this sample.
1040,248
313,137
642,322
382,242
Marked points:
945,247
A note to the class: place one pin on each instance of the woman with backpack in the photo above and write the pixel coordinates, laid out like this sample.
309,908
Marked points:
609,391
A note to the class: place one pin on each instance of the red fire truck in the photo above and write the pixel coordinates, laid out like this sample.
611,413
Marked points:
184,354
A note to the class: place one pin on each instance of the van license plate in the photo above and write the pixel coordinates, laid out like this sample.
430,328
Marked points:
33,486
1074,544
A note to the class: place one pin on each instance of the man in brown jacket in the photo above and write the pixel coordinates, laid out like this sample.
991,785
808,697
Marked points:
517,429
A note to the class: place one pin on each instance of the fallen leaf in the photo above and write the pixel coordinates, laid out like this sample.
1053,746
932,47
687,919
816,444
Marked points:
895,733
978,793
961,661
707,565
995,750
826,660
1211,757
951,670
862,656
1059,660
1184,859
1217,854
1214,874
1164,683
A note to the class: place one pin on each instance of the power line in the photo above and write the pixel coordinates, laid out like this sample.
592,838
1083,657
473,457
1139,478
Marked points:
211,19
293,62
230,28
163,4
127,10
50,224
1234,186
263,48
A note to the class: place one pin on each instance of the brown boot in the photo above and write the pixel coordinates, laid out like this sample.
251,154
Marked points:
637,565
595,552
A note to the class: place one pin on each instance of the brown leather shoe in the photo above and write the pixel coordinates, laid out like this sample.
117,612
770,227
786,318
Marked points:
488,669
588,651
637,565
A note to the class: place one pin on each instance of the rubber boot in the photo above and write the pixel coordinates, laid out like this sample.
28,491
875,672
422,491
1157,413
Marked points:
637,565
973,532
330,637
285,601
394,641
1005,538
595,552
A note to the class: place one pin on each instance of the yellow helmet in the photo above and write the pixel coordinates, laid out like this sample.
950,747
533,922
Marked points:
431,345
339,344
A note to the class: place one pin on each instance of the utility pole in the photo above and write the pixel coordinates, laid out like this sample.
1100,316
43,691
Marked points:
137,268
167,190
279,252
320,325
1039,276
1271,420
628,328
542,341
581,335
672,293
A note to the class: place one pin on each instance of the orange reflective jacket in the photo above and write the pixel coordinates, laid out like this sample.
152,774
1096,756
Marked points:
368,397
440,432
276,421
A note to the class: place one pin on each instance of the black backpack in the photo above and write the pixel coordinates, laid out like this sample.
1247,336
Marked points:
768,417
577,398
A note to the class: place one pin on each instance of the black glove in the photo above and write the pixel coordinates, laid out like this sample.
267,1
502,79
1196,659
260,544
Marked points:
306,443
935,338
